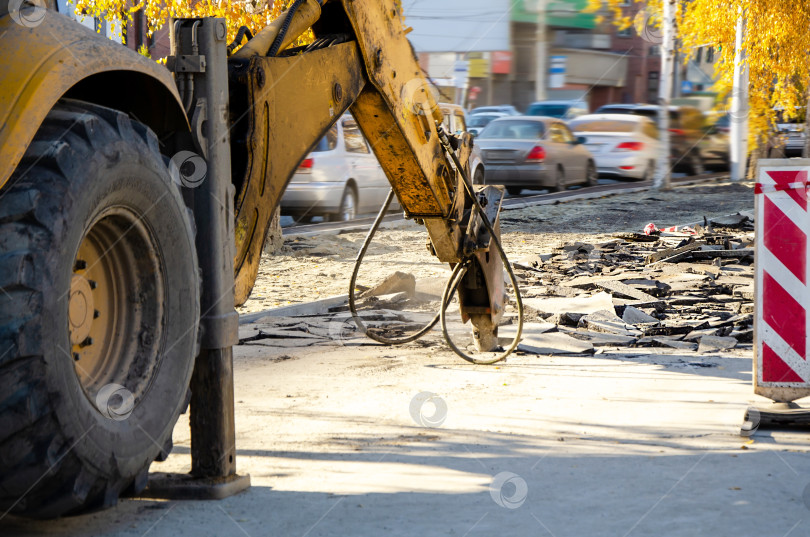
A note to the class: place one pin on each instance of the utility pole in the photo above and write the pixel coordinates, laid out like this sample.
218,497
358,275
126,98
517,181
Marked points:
541,53
662,172
739,107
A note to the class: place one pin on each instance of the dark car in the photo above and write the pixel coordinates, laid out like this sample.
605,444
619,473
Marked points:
687,131
534,152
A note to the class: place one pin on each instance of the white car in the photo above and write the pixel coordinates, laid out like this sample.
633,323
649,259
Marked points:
506,109
340,179
477,122
622,145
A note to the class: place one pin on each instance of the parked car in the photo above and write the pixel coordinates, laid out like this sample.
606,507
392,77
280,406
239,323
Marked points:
338,180
617,108
622,145
455,122
507,109
566,110
687,131
791,133
716,143
477,122
534,152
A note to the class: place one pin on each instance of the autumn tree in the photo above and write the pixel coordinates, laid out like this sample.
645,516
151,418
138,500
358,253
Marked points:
253,14
776,44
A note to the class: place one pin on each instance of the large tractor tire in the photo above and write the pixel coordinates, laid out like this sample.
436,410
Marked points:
99,311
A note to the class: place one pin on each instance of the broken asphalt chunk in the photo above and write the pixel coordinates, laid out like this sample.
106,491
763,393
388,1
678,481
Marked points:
599,339
582,305
620,289
716,344
635,316
398,282
608,321
554,343
671,255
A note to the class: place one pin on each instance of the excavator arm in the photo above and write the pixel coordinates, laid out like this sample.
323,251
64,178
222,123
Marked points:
281,105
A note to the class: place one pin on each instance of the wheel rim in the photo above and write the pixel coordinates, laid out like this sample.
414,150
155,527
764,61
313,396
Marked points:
115,306
348,208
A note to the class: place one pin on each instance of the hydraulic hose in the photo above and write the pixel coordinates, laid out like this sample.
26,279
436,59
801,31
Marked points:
240,35
452,284
352,306
461,268
285,26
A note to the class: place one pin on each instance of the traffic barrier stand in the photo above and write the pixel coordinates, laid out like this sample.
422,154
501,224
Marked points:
782,297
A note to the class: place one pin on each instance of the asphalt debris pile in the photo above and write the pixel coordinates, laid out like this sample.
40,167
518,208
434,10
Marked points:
396,307
685,289
690,290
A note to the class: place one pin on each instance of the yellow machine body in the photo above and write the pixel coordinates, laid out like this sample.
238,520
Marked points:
59,58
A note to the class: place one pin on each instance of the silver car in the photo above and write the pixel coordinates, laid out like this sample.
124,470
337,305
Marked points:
791,133
535,153
340,179
622,145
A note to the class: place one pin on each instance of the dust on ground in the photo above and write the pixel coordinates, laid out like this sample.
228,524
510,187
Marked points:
310,268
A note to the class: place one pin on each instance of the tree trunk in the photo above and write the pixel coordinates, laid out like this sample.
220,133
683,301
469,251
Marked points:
274,239
806,149
762,151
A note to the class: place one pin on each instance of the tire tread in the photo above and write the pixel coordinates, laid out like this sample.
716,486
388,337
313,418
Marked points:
39,475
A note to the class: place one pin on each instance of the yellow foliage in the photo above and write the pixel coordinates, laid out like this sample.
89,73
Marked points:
776,43
255,14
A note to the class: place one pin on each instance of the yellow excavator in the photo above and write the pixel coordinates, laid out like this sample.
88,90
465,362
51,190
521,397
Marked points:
134,201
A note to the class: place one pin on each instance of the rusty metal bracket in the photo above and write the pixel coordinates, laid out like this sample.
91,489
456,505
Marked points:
186,64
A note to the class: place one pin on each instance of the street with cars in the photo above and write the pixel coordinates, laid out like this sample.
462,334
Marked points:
553,145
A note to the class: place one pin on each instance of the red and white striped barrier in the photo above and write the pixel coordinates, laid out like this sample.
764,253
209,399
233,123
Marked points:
782,278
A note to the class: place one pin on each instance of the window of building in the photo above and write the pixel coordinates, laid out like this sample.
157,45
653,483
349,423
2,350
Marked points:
710,55
652,87
627,32
654,50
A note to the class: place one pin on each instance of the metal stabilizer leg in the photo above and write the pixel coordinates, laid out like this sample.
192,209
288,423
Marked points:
200,44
